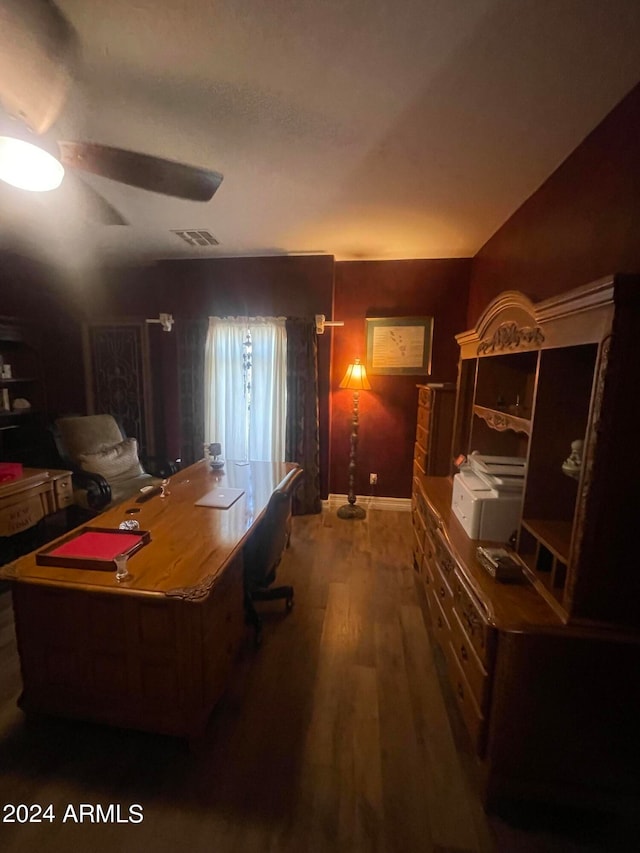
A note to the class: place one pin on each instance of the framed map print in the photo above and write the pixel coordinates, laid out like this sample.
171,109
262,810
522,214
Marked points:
399,345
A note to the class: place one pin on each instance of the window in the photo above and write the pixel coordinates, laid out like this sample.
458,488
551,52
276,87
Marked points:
245,387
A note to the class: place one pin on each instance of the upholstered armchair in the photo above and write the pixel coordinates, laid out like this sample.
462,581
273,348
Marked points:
264,549
105,463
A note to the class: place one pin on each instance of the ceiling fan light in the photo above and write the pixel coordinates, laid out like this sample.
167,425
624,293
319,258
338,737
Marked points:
28,166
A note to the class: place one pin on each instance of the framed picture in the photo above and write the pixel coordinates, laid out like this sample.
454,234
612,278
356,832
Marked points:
399,345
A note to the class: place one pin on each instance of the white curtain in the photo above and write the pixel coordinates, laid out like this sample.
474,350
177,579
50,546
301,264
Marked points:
246,387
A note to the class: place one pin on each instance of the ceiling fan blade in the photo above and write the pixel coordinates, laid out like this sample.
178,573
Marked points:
95,207
141,170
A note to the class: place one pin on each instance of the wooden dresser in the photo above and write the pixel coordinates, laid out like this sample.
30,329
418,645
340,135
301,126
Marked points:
545,670
37,493
432,451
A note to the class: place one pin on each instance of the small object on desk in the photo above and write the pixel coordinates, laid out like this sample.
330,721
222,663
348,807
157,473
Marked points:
214,452
122,572
147,493
163,488
129,524
500,564
220,498
92,548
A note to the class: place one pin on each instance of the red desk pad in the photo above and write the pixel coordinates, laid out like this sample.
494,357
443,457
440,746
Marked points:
93,548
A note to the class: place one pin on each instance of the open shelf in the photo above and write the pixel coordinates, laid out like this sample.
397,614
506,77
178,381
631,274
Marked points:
554,535
544,547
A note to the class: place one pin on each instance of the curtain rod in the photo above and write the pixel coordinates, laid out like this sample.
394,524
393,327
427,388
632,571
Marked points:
322,323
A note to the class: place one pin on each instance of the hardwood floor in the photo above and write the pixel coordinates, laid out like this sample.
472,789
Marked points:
334,736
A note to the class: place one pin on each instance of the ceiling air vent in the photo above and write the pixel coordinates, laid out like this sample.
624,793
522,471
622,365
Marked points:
197,238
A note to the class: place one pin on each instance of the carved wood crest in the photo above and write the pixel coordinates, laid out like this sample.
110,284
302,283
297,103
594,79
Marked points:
511,336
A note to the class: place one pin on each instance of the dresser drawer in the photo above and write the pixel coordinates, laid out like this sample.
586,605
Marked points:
425,396
420,459
472,621
429,561
422,437
419,502
444,559
432,522
417,549
423,418
443,592
439,621
469,662
471,714
63,492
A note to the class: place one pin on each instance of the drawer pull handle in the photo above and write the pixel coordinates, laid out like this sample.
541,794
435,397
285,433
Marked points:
442,592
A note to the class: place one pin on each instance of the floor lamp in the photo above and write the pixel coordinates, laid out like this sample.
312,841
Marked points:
356,380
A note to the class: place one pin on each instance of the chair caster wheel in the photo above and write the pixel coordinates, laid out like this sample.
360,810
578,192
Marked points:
289,604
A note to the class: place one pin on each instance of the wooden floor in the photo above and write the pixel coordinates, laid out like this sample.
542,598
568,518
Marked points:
334,736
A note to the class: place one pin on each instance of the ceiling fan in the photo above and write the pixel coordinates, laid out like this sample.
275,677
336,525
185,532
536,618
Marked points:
38,57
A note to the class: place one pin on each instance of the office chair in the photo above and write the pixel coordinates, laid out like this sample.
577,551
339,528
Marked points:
264,549
105,463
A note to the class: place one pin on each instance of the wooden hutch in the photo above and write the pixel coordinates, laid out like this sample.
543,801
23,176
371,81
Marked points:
546,671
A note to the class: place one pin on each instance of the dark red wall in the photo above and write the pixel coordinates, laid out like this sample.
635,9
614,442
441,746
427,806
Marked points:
437,288
581,224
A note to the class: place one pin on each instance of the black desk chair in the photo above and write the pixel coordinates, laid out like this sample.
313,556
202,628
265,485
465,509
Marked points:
264,549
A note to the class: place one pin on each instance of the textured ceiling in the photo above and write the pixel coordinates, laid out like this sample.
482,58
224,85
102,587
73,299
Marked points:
371,129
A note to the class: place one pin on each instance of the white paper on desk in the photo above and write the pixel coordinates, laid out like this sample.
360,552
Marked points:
220,498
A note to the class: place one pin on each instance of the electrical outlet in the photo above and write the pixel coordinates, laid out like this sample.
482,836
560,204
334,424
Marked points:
373,479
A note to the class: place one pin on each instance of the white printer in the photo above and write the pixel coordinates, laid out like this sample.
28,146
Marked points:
485,512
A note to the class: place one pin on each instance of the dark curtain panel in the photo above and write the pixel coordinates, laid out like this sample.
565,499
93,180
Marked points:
302,435
119,357
191,342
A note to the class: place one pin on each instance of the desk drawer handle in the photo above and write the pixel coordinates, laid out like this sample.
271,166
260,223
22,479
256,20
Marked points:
442,592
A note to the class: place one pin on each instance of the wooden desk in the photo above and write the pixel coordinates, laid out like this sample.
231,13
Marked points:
156,651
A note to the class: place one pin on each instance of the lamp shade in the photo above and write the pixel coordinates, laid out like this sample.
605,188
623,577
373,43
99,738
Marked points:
356,377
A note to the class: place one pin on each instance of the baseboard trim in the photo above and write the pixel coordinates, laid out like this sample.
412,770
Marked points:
369,502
